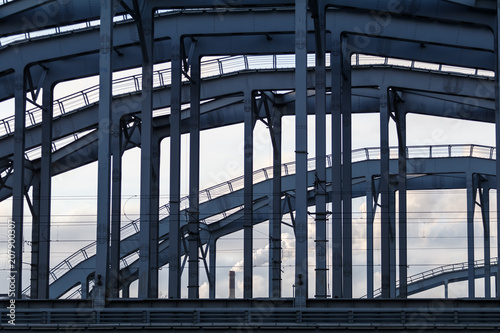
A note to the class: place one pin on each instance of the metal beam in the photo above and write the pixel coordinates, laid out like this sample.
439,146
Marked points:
402,192
346,80
336,60
194,180
116,196
484,201
321,194
45,194
471,205
248,196
19,7
175,174
301,248
212,257
35,238
148,282
385,196
497,136
18,183
276,214
371,206
104,153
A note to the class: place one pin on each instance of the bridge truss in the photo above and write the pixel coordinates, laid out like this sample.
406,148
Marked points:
266,60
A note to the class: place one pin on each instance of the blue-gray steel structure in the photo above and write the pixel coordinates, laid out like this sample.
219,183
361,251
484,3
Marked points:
113,35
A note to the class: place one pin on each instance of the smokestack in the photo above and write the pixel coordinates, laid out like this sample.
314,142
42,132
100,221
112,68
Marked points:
232,275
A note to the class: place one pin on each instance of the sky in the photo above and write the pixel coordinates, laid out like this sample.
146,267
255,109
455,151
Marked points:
436,218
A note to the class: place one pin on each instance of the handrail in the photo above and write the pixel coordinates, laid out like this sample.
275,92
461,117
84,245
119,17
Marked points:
210,68
461,266
213,192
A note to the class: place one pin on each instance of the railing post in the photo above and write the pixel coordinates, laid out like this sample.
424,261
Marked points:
245,60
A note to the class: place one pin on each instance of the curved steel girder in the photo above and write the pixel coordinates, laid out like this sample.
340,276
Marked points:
21,7
64,69
437,10
130,56
438,94
22,20
450,277
483,4
84,151
435,173
72,12
19,55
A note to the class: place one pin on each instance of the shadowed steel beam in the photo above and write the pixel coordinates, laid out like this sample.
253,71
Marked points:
471,205
35,238
320,184
18,7
384,193
116,192
194,181
484,197
175,175
301,269
402,187
392,237
104,152
18,186
497,135
148,281
212,269
346,174
45,195
248,197
276,214
370,216
336,60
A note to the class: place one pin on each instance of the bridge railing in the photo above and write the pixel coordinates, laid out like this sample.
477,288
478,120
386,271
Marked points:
461,266
236,184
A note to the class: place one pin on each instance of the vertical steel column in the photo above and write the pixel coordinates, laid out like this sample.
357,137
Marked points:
320,183
104,152
276,216
402,187
212,257
370,215
392,239
385,195
175,174
471,205
35,238
18,186
497,135
301,270
116,192
148,255
346,175
336,64
248,198
485,214
45,195
194,181
84,288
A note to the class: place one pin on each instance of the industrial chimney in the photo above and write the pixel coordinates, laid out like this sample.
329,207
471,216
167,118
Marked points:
232,276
